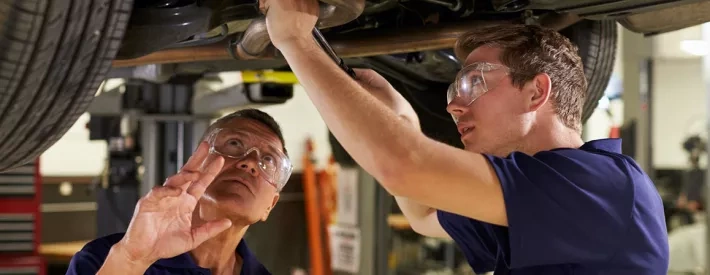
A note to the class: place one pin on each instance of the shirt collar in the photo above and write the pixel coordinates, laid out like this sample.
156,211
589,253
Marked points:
607,144
249,262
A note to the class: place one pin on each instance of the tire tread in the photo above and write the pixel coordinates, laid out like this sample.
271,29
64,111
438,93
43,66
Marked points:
599,62
63,50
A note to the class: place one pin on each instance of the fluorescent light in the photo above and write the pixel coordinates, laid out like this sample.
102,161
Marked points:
695,47
603,103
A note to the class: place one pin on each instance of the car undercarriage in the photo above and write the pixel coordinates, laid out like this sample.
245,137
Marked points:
56,54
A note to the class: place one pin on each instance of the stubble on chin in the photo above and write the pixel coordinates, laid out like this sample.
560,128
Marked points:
487,150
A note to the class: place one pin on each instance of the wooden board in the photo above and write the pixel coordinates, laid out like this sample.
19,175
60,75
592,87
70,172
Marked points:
60,252
398,222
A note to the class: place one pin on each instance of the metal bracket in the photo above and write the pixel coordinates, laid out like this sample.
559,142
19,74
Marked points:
529,18
157,73
240,96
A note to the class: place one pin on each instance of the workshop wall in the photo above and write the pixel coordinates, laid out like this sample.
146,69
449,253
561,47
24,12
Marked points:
679,100
74,154
300,120
679,109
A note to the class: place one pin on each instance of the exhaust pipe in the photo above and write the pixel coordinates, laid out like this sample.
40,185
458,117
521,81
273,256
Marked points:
253,42
339,12
255,39
377,42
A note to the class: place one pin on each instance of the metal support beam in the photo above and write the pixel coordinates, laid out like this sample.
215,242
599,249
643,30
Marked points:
159,73
367,193
383,232
240,96
637,51
149,141
199,127
706,81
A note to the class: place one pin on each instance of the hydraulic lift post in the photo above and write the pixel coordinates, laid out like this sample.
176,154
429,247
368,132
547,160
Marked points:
705,29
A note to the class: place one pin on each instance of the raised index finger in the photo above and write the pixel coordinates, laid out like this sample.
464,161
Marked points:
190,172
195,161
198,187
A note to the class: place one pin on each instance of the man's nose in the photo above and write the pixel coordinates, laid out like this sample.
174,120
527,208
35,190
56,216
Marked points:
455,108
250,164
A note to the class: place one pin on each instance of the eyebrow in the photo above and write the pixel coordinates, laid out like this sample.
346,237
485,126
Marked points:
250,135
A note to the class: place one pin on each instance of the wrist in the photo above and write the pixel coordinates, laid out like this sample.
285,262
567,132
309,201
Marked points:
120,257
296,45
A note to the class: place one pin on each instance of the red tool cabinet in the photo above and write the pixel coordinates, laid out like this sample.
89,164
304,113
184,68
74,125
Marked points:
20,206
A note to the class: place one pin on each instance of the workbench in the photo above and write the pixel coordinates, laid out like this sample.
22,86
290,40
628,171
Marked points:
60,252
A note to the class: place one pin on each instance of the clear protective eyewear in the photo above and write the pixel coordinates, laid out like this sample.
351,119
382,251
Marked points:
275,166
474,80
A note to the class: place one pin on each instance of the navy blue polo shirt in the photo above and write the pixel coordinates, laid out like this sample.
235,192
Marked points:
590,210
90,258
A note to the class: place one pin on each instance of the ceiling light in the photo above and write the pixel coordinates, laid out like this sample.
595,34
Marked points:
695,47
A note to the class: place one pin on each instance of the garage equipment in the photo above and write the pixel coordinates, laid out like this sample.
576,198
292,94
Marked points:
20,220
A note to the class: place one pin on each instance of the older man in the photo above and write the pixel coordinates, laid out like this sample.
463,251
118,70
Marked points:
527,195
195,222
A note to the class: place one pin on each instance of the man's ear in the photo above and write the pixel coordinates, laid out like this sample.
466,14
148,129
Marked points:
540,89
268,209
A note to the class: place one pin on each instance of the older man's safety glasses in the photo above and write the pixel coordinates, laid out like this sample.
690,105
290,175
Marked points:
274,165
474,80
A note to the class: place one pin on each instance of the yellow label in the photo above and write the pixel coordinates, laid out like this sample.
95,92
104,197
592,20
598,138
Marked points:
269,77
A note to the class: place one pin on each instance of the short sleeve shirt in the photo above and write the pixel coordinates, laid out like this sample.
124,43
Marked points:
90,258
589,210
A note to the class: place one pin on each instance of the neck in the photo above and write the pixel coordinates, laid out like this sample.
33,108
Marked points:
548,136
218,254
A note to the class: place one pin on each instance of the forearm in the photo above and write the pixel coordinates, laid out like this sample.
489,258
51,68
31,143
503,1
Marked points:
117,262
374,135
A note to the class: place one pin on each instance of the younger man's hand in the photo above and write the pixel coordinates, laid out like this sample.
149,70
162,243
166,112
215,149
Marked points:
290,22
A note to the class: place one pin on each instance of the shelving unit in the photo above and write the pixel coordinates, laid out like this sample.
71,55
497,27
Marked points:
404,247
20,221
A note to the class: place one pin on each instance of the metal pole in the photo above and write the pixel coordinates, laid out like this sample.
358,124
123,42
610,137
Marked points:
149,142
180,144
199,127
706,80
367,221
646,94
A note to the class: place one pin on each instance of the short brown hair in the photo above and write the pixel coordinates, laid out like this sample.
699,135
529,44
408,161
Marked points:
529,50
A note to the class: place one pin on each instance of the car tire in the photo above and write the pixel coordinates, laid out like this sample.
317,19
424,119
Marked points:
596,41
53,57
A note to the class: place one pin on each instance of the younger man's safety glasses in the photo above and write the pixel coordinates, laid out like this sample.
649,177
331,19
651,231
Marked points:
474,80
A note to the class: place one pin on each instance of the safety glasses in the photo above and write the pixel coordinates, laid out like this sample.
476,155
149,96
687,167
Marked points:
239,145
474,80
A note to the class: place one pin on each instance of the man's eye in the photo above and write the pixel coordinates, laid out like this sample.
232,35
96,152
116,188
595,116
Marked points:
269,159
234,143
